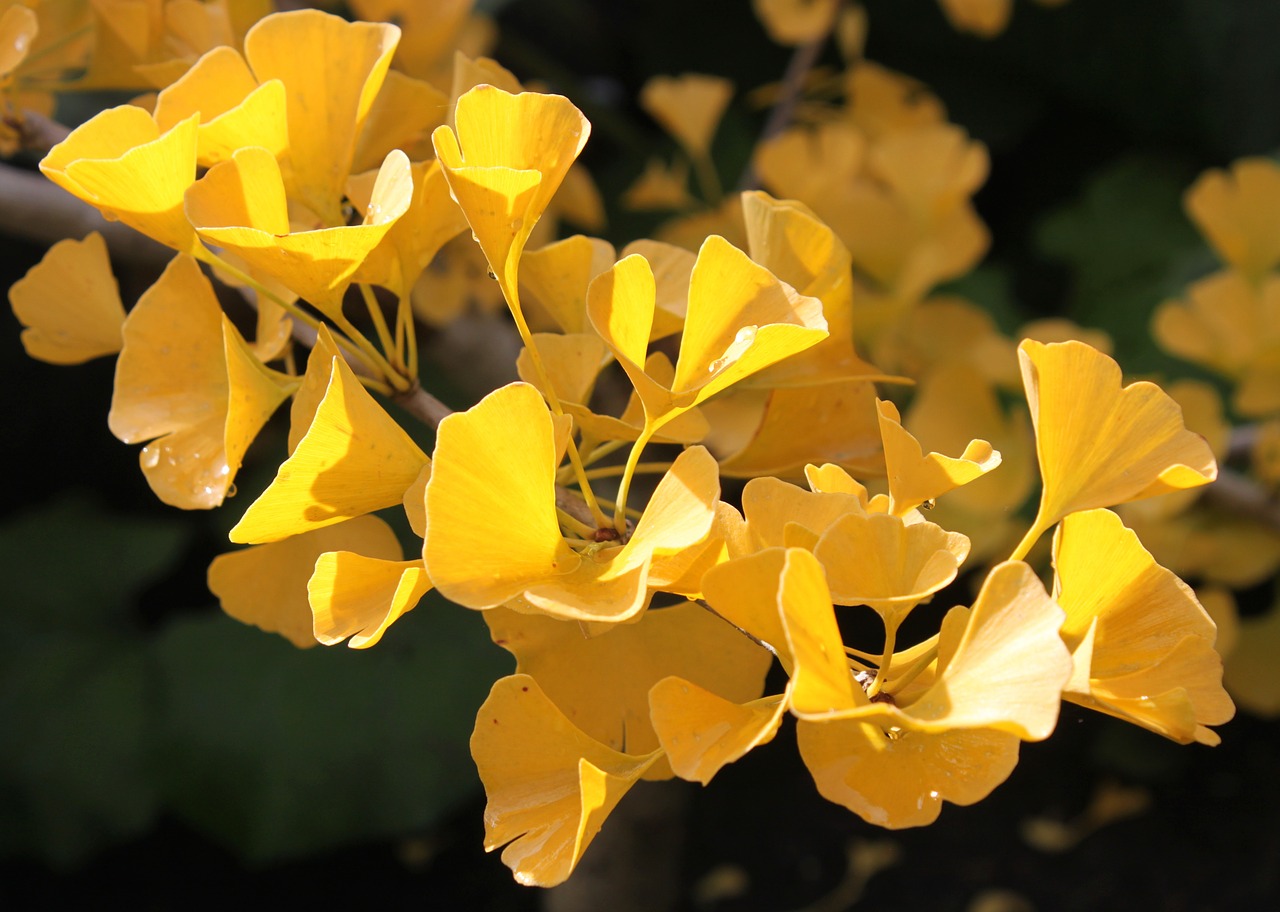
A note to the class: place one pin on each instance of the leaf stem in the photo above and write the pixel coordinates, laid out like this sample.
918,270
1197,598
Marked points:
890,640
628,472
512,295
380,326
640,467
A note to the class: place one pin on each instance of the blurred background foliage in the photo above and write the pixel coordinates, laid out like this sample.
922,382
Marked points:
156,750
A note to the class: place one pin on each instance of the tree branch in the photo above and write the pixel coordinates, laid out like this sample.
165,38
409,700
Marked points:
1240,495
802,61
42,212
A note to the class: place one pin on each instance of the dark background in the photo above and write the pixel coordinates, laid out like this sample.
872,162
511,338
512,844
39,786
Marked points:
155,752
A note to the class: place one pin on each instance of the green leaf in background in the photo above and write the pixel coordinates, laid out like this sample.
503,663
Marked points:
991,288
74,566
74,678
1129,246
277,752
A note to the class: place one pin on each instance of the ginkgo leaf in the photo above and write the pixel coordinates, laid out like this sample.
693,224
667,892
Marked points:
1100,444
915,478
122,163
69,303
505,161
354,459
266,585
1133,626
354,595
550,786
689,107
325,106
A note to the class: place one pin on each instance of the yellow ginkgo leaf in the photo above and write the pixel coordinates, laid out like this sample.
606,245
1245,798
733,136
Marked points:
471,72
689,427
672,268
946,329
429,223
1239,212
354,595
326,106
915,478
780,431
415,508
403,116
793,22
128,42
1251,670
892,759
883,102
1143,645
771,506
353,459
790,241
689,107
984,18
505,161
315,383
235,111
702,732
187,378
660,186
603,682
1000,665
69,304
120,162
1223,324
554,280
549,785
811,164
19,27
430,30
1060,329
821,682
266,585
954,404
572,362
898,782
579,201
743,592
240,205
492,528
740,319
832,479
934,171
911,561
1099,444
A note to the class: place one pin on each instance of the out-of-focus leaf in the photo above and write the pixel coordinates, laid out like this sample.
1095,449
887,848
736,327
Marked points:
277,752
990,286
75,679
72,565
1129,247
74,767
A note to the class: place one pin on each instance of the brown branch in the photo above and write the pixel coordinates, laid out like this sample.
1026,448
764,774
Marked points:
793,80
37,132
1243,439
36,210
422,405
1240,495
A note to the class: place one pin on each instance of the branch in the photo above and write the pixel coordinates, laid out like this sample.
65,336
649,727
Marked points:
422,405
1240,495
42,212
793,80
36,132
